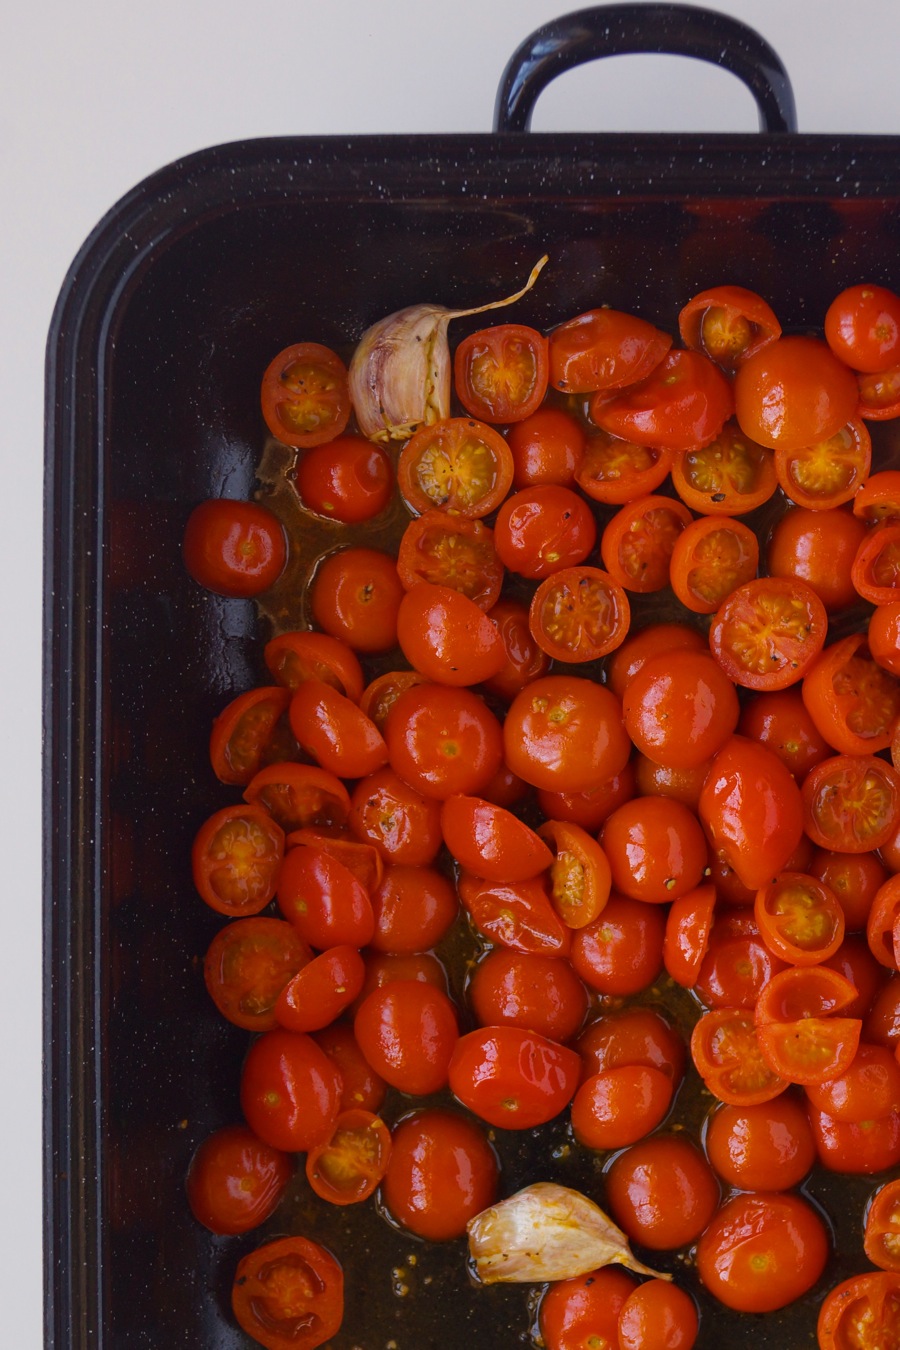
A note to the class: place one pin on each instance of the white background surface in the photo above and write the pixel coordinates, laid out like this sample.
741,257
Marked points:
93,97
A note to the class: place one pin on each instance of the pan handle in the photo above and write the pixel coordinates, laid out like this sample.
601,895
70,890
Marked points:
618,30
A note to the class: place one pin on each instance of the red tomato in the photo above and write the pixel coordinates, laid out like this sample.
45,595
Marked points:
862,327
546,447
355,595
491,842
617,471
235,1181
621,952
335,731
882,921
447,637
526,989
298,796
289,1294
580,876
290,1090
799,1036
736,964
234,548
883,636
851,803
525,659
236,858
399,822
323,900
413,908
451,551
768,1146
854,960
643,645
361,1086
751,809
799,918
661,780
861,1313
345,1168
881,1239
658,1316
655,847
762,1251
854,878
380,695
856,1147
443,740
828,472
589,808
620,1106
728,1057
517,915
712,557
868,1089
304,655
819,548
662,1192
631,1035
636,545
442,1172
879,395
768,632
564,733
322,990
878,500
729,476
500,374
350,479
875,570
243,733
305,395
728,323
853,701
388,967
683,403
688,927
579,614
604,349
247,965
541,530
407,1031
511,1077
575,1312
780,721
794,393
680,708
457,464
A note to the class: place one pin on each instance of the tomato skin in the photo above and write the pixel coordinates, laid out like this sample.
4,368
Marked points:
447,637
620,953
680,708
543,529
579,614
290,1090
305,395
517,915
529,990
794,393
289,1294
684,402
752,810
335,731
768,632
635,1034
580,876
525,660
780,720
234,548
491,842
323,900
246,966
619,1106
349,479
242,731
413,908
302,654
299,796
355,595
868,1089
798,1034
459,464
235,858
728,1056
878,500
546,447
856,1147
617,471
728,323
235,1181
862,327
361,1087
564,733
819,548
829,472
575,1311
407,1031
500,373
688,928
736,964
875,571
884,636
882,1227
451,551
662,1192
854,702
511,1077
345,1168
645,644
768,1146
442,1172
443,740
854,878
710,558
604,349
879,395
762,1251
870,1302
589,808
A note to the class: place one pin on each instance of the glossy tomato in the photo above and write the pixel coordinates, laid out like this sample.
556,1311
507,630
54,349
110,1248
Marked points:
646,643
710,558
752,810
527,989
543,529
407,1030
345,1168
289,1294
688,929
728,323
636,545
302,654
854,702
355,595
620,953
794,393
579,614
576,1311
767,1146
402,824
442,1172
451,551
829,472
616,471
491,842
305,395
350,479
513,1078
819,548
862,1313
517,915
236,857
604,349
680,708
244,734
546,447
525,659
617,1107
234,548
728,1057
447,637
413,907
799,918
361,1086
580,876
235,1181
564,733
635,1034
658,1316
729,476
662,1192
683,403
290,1090
335,731
501,373
323,989
768,632
780,721
443,740
862,327
762,1251
656,849
247,965
458,464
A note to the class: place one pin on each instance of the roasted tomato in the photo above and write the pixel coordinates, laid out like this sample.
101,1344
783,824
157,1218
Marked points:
442,1172
752,810
768,632
235,1181
683,403
862,327
350,479
305,395
604,349
728,476
762,1251
728,323
459,465
234,548
579,614
501,373
793,393
451,551
289,1294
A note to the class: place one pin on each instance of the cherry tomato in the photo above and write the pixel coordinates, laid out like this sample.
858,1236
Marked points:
525,659
304,655
235,1181
447,637
389,967
768,632
729,476
541,530
688,928
780,721
799,918
660,780
604,349
854,960
579,614
736,964
875,571
828,472
589,808
323,900
710,558
881,1239
442,1172
868,1089
854,878
290,1090
443,740
491,842
862,327
636,546
684,402
322,990
234,548
236,858
451,551
794,393
853,701
662,1192
883,636
500,374
658,1316
634,1034
407,1031
762,1251
298,796
752,810
355,595
879,395
800,1037
243,732
768,1146
247,965
728,323
580,876
305,395
528,990
618,471
517,915
621,952
289,1294
680,708
402,824
361,1086
512,1077
656,849
851,803
728,1057
882,921
819,548
335,731
345,1168
380,694
458,464
619,1106
349,479
413,907
861,1313
643,645
856,1147
583,1309
546,447
565,733
878,500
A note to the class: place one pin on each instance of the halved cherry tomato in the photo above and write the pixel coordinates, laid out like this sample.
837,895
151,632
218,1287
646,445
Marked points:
451,551
878,500
345,1168
458,465
305,395
290,1090
662,1192
879,395
527,989
563,732
447,637
289,1294
884,636
407,1030
617,471
413,907
712,557
881,1239
443,740
323,900
656,849
680,708
518,915
793,393
854,703
862,327
768,1146
363,860
511,1077
236,857
688,927
335,731
851,803
525,659
297,796
768,632
234,548
490,841
321,990
620,953
728,1057
729,476
580,876
500,373
643,645
636,545
862,1313
798,1032
762,1251
303,655
728,323
579,614
658,1316
243,732
604,349
355,595
574,1312
235,1181
819,548
683,403
828,472
402,824
617,1107
543,529
442,1172
875,570
799,918
247,965
547,447
882,923
380,695
349,479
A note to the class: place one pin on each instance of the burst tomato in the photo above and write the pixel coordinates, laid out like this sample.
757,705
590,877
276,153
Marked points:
684,402
862,1313
543,529
491,842
752,810
604,349
762,1251
289,1294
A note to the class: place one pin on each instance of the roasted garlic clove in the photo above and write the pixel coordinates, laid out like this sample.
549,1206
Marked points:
400,371
547,1232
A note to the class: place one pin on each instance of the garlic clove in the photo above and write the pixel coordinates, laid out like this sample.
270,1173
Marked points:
547,1232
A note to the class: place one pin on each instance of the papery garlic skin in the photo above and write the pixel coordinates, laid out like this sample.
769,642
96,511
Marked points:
547,1232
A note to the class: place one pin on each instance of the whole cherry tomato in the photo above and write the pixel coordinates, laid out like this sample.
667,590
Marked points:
402,824
658,1316
235,1181
541,530
355,595
413,907
684,402
512,1077
767,1146
621,952
662,1192
547,447
305,395
324,900
619,1106
407,1030
854,878
819,548
574,1312
443,740
290,1090
762,1251
442,1172
793,393
859,1148
680,708
635,1034
526,989
643,645
349,479
361,1086
862,327
234,548
781,721
500,374
525,658
563,733
656,849
289,1294
736,963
